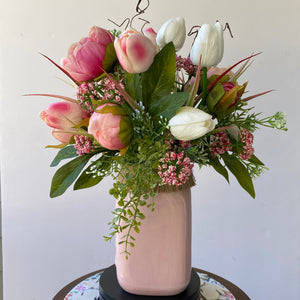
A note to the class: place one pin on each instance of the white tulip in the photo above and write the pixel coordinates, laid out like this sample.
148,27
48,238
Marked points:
190,123
172,31
209,44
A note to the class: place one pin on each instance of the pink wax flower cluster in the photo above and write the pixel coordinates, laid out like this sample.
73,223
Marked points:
84,60
104,89
183,63
83,144
175,168
220,143
247,139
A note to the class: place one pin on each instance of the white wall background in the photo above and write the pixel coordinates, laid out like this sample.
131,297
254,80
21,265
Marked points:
49,242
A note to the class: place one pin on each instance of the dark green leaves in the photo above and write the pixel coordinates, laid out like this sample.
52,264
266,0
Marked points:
215,163
134,86
240,172
67,174
167,105
65,153
88,178
158,80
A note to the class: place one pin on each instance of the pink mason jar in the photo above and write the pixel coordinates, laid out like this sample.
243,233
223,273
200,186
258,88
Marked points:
160,262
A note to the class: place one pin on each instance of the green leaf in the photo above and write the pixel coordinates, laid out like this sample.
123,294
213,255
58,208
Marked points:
253,159
112,109
134,86
214,96
67,174
65,153
110,57
167,105
158,80
215,163
88,179
240,172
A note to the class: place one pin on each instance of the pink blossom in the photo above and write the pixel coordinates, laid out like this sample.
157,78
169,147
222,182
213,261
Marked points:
135,51
84,61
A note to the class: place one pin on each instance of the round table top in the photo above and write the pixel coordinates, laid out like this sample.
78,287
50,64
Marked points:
213,287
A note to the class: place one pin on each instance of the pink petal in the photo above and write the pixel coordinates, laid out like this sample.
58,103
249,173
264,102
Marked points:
122,57
100,36
140,52
62,136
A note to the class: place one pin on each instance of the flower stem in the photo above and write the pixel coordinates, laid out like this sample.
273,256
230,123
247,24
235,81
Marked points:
204,84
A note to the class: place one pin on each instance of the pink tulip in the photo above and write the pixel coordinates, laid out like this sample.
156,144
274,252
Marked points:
62,137
151,34
135,51
112,129
63,115
84,61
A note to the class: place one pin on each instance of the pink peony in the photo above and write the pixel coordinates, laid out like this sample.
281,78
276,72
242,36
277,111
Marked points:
135,51
84,61
111,126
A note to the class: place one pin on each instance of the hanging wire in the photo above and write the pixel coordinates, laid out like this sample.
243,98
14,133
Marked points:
128,21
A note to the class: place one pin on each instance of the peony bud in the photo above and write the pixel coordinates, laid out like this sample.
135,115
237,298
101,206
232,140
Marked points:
208,45
172,31
84,61
190,123
111,126
135,51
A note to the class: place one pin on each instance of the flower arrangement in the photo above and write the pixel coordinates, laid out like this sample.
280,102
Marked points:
145,116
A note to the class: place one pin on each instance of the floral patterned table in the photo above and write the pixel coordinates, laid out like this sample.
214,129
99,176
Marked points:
211,289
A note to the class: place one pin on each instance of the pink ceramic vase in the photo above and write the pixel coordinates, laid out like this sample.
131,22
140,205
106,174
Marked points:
160,262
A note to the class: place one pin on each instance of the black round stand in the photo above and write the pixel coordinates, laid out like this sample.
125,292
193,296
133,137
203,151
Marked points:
111,290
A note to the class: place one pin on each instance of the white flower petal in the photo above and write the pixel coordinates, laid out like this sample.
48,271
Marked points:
209,45
172,31
190,123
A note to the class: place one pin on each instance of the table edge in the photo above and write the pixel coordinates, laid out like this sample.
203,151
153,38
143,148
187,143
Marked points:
236,291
